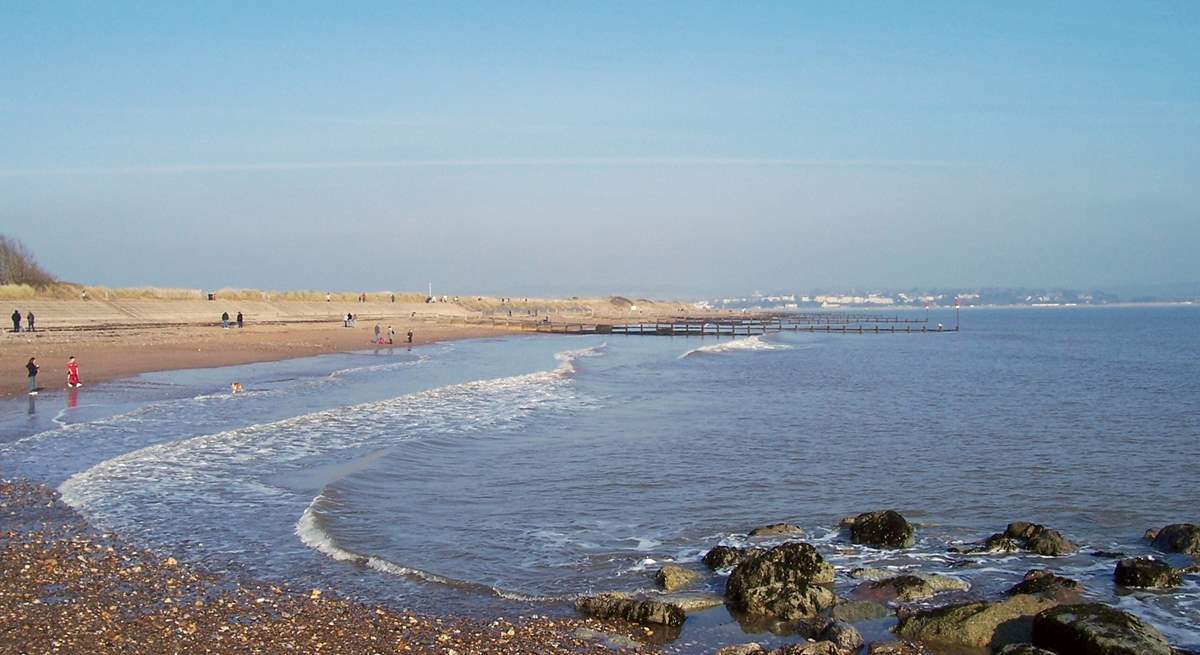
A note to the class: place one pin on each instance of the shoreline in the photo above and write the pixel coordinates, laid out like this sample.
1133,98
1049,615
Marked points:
71,589
111,355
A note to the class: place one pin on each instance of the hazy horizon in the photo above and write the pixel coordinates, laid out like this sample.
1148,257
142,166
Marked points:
685,150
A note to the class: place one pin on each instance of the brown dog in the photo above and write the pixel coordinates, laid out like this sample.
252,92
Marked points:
237,387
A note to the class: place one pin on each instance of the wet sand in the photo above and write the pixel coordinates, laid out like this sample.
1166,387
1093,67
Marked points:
114,353
68,589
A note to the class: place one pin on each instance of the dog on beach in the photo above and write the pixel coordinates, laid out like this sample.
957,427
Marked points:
236,387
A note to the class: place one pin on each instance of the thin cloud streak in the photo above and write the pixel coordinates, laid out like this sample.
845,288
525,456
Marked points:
168,169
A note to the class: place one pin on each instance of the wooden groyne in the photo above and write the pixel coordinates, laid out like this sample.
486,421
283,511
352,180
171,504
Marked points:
828,323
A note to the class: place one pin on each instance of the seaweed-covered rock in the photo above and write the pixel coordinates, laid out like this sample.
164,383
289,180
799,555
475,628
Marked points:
673,578
1096,629
617,606
778,530
783,582
979,624
727,557
1178,538
1045,583
886,529
1147,573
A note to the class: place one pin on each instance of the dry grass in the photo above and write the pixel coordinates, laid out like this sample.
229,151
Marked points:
69,291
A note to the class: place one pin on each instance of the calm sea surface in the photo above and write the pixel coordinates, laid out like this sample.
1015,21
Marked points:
509,475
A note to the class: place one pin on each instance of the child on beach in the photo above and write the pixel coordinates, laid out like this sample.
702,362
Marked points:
32,368
73,373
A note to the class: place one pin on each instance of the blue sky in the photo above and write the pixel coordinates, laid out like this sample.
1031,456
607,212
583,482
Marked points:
675,148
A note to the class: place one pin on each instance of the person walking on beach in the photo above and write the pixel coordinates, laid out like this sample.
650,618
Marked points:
391,335
16,317
73,373
225,320
32,369
410,336
377,331
241,321
29,322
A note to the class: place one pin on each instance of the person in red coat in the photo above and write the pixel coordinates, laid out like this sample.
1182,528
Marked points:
73,373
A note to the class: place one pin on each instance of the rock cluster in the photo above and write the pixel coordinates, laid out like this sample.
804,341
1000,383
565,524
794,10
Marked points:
1021,535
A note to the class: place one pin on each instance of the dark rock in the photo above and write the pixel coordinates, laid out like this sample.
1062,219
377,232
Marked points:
1178,538
1050,542
1045,583
979,624
616,606
1147,573
843,636
1000,543
673,578
1095,629
859,610
1022,530
783,582
1108,554
777,530
886,529
727,557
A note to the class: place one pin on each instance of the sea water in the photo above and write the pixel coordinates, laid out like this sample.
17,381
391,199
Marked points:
511,475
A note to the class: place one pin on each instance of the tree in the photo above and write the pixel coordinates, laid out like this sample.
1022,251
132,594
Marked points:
17,265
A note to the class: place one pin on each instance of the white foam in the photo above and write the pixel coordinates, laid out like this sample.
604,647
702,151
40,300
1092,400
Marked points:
152,491
754,343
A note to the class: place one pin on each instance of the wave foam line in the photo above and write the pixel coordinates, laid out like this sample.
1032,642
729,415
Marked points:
755,342
312,532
